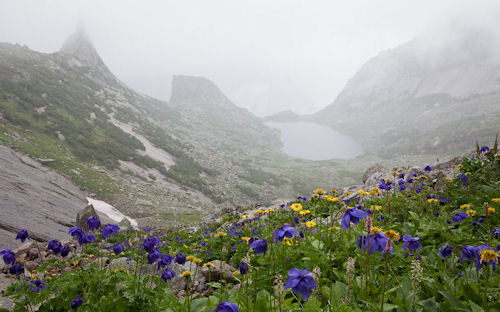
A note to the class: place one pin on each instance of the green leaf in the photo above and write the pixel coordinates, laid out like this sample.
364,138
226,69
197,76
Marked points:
454,301
475,307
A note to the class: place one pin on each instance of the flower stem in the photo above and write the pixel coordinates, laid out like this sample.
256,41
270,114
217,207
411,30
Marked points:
383,286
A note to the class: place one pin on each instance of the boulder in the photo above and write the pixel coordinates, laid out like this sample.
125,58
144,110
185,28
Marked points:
83,215
218,272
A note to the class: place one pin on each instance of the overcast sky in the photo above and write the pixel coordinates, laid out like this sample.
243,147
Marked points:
266,55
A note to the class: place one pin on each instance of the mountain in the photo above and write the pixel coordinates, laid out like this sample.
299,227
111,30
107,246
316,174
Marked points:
284,116
161,163
424,96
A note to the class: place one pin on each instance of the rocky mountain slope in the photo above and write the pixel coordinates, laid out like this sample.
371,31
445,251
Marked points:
425,96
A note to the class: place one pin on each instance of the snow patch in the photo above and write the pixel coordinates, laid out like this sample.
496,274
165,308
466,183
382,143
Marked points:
110,211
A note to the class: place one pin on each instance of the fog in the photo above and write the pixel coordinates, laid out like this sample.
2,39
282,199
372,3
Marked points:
267,56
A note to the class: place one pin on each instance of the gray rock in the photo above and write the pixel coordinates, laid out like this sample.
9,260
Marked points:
218,272
121,262
83,215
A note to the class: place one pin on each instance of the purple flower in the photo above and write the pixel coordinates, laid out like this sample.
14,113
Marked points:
376,242
164,261
352,215
227,306
411,243
436,213
496,231
468,252
167,275
110,230
54,245
459,217
243,267
427,168
445,252
150,243
22,235
484,149
300,282
64,250
154,256
8,256
93,223
86,238
16,269
259,246
118,249
75,303
76,231
464,179
180,258
284,231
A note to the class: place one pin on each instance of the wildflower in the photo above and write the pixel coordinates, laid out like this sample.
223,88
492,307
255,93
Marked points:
347,193
496,200
465,206
54,245
445,252
304,212
464,179
411,243
16,269
287,241
64,250
376,242
416,275
376,208
484,149
311,224
279,287
388,246
150,243
395,173
296,207
459,217
468,252
110,230
221,234
427,168
243,267
471,213
489,256
76,231
350,275
197,261
86,238
259,246
319,191
432,201
118,248
75,303
245,216
164,261
300,282
496,231
167,275
186,273
93,223
392,235
375,230
180,258
246,239
363,192
154,256
208,264
352,215
334,228
190,258
491,210
22,235
227,306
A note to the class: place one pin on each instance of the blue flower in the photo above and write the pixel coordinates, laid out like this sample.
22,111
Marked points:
22,235
8,256
16,269
180,258
118,248
445,252
484,149
93,223
154,256
86,238
227,306
411,243
110,230
37,285
243,267
75,303
376,242
164,261
64,250
150,243
464,179
300,282
167,275
352,215
54,245
468,252
76,231
259,246
459,217
284,231
427,168
496,231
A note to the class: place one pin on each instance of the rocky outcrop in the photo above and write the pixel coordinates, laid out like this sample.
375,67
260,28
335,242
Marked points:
36,198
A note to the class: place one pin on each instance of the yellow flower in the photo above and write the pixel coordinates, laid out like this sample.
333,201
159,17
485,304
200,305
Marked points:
198,261
347,193
208,264
315,195
496,200
190,258
304,212
246,239
287,241
333,199
319,191
91,256
375,230
185,246
460,166
311,224
453,166
491,210
388,180
465,206
432,201
395,173
260,211
488,255
333,191
448,179
269,210
392,235
363,192
220,234
245,216
471,213
296,207
334,228
375,190
376,208
186,273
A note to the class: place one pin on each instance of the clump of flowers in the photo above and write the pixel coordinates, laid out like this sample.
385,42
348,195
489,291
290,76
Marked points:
300,282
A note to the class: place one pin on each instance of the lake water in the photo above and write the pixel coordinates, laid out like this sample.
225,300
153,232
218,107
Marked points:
315,142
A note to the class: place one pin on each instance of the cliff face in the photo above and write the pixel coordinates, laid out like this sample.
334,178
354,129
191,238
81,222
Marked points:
419,87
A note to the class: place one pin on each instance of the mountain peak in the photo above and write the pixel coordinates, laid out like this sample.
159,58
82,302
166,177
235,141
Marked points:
80,46
195,90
